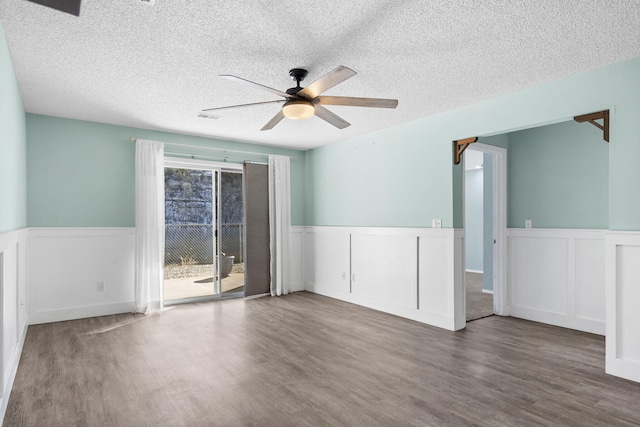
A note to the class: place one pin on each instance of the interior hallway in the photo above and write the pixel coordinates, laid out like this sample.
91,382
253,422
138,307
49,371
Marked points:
479,304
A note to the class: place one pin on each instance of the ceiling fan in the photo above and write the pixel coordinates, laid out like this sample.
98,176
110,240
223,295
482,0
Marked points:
303,102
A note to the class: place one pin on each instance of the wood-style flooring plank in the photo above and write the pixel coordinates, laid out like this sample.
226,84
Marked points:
308,360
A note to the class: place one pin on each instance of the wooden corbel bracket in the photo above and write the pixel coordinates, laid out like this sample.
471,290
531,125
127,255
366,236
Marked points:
459,146
591,118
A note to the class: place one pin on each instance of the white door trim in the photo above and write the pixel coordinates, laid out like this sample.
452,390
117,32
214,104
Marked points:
500,305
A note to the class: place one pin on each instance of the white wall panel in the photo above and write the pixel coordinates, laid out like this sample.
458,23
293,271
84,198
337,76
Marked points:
9,306
627,310
384,270
441,272
297,259
13,308
623,300
590,278
557,276
539,273
65,266
327,263
435,256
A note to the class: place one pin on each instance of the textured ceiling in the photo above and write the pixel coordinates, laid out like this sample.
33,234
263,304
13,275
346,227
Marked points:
155,67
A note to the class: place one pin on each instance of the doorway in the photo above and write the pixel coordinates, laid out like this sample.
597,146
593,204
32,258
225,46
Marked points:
204,231
485,230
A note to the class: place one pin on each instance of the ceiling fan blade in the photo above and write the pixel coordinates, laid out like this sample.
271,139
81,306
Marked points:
356,102
331,118
254,84
274,121
327,81
244,105
69,6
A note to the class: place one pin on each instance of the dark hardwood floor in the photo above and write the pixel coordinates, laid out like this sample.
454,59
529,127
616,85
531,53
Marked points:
305,359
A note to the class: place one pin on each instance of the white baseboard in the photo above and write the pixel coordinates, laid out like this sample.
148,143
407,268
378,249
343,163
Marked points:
487,291
74,313
558,319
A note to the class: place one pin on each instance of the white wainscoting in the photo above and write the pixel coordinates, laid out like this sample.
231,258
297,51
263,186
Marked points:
409,272
13,307
297,259
65,266
557,276
623,305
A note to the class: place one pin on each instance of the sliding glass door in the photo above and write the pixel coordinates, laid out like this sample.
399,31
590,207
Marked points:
204,231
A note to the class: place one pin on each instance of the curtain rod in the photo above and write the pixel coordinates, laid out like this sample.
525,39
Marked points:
200,157
133,139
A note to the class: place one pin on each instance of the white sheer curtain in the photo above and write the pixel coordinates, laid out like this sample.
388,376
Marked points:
149,225
279,224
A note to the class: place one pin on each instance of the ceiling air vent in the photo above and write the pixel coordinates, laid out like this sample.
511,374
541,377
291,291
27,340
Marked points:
149,2
207,116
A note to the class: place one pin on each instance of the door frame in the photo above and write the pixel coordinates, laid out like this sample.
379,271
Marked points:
500,297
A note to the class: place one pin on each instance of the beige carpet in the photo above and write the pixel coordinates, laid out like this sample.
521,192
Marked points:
479,304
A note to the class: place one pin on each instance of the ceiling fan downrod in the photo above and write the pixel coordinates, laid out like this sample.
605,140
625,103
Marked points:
298,75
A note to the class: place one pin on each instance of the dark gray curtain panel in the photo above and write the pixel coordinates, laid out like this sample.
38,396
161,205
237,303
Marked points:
257,256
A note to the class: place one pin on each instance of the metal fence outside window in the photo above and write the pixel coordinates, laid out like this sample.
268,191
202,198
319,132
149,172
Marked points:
191,244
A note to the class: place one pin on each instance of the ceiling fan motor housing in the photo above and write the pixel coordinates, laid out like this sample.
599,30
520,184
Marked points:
293,90
298,74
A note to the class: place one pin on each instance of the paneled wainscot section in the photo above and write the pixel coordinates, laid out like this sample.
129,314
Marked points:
410,272
13,307
554,276
623,304
557,276
66,265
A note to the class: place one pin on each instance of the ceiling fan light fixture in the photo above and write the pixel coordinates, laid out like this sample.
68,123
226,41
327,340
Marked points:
298,109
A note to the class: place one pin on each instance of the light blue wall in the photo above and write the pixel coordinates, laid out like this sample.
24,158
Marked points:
404,176
381,179
81,174
501,141
474,219
13,158
558,177
487,234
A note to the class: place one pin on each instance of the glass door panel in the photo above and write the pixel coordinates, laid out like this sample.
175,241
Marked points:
190,224
231,234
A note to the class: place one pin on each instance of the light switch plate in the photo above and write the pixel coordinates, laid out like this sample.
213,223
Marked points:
436,223
527,223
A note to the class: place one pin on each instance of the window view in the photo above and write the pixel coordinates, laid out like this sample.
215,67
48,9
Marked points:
204,234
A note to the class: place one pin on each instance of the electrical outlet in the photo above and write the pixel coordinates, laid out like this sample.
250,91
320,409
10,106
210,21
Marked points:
100,286
527,223
436,223
344,276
